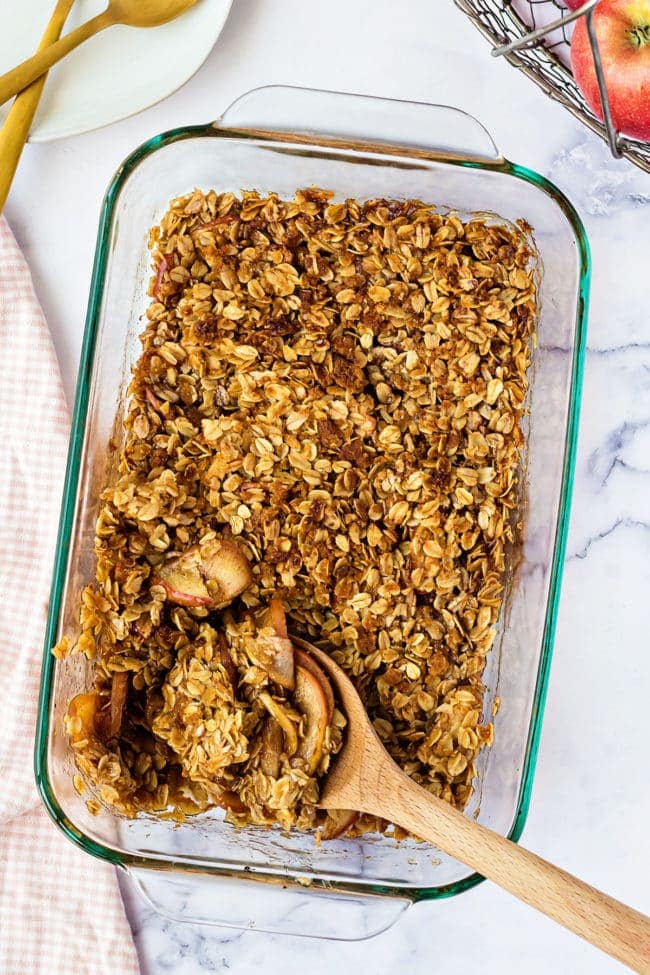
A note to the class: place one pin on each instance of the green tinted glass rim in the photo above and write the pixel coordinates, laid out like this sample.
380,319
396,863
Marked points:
73,469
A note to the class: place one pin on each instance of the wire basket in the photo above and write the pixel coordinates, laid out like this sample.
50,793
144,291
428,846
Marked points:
534,35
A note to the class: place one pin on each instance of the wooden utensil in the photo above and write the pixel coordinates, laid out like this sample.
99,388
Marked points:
15,130
365,778
132,13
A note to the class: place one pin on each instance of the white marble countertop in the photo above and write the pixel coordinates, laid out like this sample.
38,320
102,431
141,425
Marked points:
591,796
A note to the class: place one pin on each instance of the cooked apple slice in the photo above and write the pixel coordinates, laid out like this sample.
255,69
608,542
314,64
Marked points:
230,800
338,822
183,581
310,700
274,651
281,667
274,654
272,748
278,618
85,708
184,589
228,663
303,659
210,574
111,720
284,719
227,571
82,715
152,399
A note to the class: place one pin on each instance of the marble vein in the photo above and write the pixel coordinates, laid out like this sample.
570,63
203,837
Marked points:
619,524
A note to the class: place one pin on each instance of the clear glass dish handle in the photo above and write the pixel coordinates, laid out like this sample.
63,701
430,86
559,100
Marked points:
438,130
271,908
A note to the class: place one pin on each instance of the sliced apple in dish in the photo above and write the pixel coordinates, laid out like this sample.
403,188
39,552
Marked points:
82,716
303,659
183,581
272,650
228,663
210,574
309,697
274,654
110,722
85,718
278,618
227,571
230,800
272,748
338,822
281,714
152,399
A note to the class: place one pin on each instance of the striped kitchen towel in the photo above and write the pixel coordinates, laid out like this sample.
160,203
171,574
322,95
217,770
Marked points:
60,911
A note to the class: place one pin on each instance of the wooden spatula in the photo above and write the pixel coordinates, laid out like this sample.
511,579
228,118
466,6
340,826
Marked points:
365,778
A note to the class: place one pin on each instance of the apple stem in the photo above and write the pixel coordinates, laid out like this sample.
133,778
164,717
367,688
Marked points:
639,36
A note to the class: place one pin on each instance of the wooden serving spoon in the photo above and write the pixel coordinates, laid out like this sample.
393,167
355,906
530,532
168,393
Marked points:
365,778
131,13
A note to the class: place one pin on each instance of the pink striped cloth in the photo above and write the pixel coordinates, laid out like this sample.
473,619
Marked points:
60,911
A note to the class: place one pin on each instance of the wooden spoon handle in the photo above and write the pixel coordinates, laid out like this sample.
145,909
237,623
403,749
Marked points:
15,130
606,923
24,74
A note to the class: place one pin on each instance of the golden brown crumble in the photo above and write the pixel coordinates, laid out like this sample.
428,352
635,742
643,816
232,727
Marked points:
336,389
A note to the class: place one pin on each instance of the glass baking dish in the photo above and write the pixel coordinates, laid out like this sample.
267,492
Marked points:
281,139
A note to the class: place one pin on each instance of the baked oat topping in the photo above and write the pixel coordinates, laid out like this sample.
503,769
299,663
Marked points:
334,390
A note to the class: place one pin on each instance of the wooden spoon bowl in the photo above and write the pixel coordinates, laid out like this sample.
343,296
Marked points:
365,778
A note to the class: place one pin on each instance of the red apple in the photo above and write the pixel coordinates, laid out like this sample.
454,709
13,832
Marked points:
573,4
623,33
